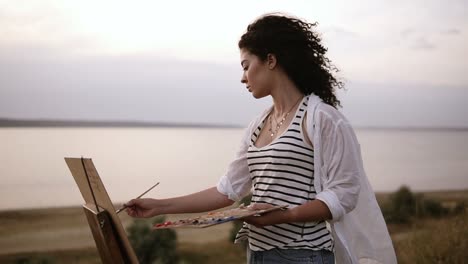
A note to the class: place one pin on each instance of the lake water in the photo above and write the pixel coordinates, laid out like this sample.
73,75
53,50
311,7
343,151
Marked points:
129,160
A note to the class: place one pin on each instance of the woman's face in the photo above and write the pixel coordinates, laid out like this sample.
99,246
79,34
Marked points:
256,74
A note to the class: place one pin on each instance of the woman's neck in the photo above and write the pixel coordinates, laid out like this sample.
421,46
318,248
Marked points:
285,98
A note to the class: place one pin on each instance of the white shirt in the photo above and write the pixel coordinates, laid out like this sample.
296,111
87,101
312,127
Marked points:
358,228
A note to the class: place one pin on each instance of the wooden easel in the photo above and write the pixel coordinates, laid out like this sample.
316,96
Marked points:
108,233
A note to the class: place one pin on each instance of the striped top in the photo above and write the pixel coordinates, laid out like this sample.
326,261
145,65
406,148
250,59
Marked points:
283,174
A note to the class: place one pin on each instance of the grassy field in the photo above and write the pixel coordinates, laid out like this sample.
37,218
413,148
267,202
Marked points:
62,235
434,241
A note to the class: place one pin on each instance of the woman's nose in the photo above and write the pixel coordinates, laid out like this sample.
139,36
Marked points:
243,79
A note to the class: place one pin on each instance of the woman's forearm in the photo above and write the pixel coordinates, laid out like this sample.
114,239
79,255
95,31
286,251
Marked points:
207,200
312,211
315,210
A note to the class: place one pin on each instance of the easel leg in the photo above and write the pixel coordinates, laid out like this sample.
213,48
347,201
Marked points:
109,247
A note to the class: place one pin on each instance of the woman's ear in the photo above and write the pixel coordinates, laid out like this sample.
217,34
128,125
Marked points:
271,60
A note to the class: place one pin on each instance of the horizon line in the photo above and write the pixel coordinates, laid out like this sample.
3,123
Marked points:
43,122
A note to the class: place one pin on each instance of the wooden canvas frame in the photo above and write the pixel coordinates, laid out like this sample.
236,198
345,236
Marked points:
108,232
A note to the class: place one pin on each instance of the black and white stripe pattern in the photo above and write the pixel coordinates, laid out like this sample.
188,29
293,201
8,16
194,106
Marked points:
283,174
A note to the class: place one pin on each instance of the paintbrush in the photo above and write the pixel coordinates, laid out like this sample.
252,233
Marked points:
139,196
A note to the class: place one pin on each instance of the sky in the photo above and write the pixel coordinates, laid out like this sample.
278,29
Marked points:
404,62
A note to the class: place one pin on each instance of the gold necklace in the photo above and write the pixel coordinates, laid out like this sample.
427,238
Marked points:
280,123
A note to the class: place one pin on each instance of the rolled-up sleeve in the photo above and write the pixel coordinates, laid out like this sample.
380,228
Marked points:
340,168
236,182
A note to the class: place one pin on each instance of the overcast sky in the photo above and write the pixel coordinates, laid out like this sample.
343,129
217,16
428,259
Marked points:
404,62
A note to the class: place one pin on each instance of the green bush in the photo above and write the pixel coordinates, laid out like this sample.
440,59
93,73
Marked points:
432,208
400,207
153,246
403,205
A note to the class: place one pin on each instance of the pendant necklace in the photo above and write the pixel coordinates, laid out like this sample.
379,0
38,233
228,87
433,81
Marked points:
280,123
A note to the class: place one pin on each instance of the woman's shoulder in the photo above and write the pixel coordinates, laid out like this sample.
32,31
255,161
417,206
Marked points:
325,112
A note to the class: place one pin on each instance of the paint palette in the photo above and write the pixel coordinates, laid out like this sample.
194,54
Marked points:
217,217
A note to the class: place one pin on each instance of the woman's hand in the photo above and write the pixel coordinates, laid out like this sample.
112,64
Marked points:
144,208
270,218
315,210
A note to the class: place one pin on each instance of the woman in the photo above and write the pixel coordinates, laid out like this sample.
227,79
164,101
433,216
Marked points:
301,152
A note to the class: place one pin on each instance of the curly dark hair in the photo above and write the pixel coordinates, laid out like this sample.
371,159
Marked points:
298,50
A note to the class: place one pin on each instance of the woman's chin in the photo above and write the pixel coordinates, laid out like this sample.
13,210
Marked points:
258,95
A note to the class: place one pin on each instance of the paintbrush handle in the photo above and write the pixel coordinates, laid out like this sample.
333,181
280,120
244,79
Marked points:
152,187
139,196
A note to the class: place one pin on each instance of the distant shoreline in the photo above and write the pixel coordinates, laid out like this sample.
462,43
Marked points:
25,123
85,123
440,195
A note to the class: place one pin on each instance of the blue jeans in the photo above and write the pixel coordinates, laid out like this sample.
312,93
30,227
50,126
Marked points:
290,256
